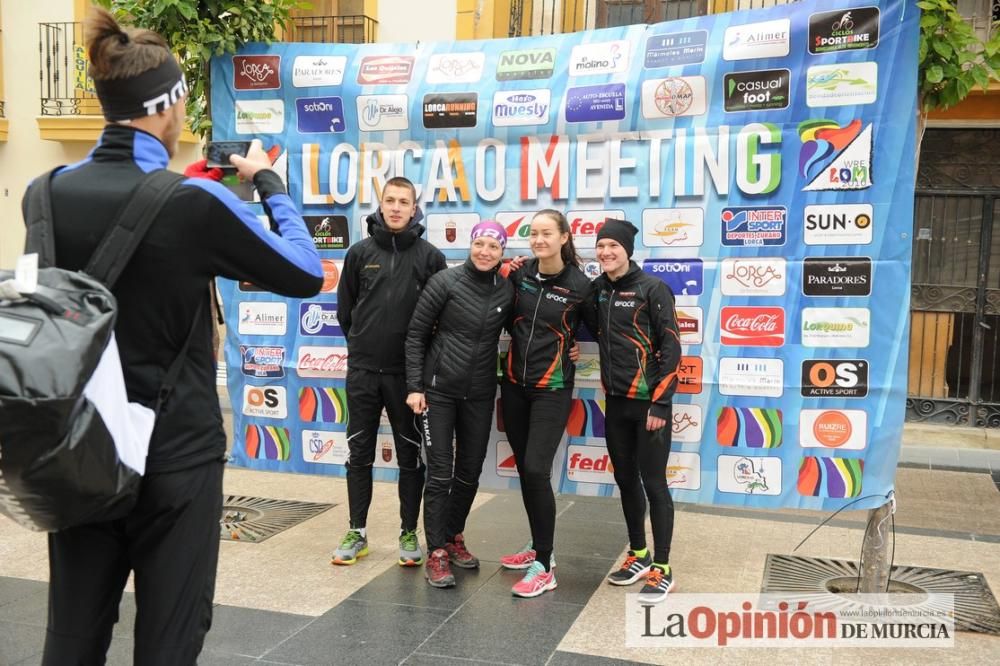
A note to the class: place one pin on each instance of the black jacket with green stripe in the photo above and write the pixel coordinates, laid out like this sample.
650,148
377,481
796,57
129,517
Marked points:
638,337
545,318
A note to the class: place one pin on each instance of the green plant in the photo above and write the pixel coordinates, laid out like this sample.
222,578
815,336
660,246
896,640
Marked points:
199,29
953,59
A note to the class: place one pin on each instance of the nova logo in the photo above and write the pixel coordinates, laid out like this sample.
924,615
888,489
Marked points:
834,157
835,378
753,226
530,64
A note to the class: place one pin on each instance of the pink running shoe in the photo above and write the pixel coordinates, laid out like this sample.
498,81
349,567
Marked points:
537,581
523,559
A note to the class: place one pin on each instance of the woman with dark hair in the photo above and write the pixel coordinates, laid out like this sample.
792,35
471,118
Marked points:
451,376
640,350
550,294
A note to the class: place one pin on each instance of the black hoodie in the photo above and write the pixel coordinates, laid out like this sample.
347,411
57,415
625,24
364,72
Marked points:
383,277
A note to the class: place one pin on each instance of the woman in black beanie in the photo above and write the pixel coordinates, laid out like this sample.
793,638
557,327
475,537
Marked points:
640,350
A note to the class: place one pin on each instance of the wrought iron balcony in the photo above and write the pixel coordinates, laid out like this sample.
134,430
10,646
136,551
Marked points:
352,29
66,89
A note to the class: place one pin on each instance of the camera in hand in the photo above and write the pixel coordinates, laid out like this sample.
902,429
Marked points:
219,151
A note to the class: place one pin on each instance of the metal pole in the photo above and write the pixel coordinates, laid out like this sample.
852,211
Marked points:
875,558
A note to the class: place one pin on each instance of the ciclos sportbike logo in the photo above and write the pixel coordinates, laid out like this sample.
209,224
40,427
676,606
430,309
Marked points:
820,620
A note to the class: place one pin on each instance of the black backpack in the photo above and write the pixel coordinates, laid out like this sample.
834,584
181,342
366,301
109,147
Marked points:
72,448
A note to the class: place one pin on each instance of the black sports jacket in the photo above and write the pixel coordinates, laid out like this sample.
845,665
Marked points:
639,341
382,280
204,231
546,314
452,344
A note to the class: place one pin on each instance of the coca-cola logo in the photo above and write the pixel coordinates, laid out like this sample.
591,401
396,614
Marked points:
322,362
258,72
753,326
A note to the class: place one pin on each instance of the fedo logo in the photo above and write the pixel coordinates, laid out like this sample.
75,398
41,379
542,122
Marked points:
583,224
589,464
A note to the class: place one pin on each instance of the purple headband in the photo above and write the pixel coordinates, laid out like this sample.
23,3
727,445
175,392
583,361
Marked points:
490,229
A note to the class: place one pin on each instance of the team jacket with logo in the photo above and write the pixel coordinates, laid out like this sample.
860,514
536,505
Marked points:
545,318
383,277
638,337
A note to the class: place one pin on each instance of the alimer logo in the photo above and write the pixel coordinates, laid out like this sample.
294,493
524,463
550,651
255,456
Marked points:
599,58
673,227
752,326
315,71
844,429
514,108
750,41
685,277
261,318
834,157
674,97
754,226
745,475
846,224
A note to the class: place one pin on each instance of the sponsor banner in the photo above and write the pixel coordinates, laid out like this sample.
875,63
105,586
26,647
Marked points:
752,326
749,427
676,49
690,374
324,447
835,378
847,224
385,70
584,225
319,319
844,30
329,232
588,371
683,471
845,84
763,276
752,377
455,67
269,402
385,453
260,116
838,478
317,71
262,442
600,58
586,418
837,276
452,231
518,226
331,275
263,362
836,327
756,91
749,475
753,226
322,362
690,323
850,169
685,277
262,318
595,103
589,464
444,110
320,114
506,465
751,41
844,429
515,108
323,405
686,424
256,72
674,97
526,65
673,227
383,113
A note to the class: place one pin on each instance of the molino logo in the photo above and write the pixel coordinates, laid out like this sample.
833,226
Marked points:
526,65
834,157
600,58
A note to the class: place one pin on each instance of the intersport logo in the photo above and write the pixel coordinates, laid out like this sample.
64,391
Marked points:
515,108
263,362
753,326
599,58
322,362
764,276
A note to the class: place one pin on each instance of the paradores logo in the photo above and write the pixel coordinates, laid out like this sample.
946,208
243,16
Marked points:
834,157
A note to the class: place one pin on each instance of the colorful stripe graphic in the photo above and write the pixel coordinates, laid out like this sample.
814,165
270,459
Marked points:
830,477
326,405
267,442
586,418
749,427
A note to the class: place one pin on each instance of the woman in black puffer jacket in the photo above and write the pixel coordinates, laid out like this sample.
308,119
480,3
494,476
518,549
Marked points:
451,376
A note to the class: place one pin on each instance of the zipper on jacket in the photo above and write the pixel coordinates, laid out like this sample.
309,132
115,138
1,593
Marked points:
611,376
392,282
531,333
479,336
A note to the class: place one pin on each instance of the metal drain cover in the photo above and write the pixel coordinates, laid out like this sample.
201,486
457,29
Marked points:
975,606
254,519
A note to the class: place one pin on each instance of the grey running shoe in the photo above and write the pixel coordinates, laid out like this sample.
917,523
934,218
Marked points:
352,546
410,554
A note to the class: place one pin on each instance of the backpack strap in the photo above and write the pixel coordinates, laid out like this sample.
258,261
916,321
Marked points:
174,371
40,229
137,215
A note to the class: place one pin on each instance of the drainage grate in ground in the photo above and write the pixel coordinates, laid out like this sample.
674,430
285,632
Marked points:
975,606
254,519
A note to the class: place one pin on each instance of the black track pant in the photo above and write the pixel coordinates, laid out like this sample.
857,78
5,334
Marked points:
452,469
367,393
638,454
534,420
171,541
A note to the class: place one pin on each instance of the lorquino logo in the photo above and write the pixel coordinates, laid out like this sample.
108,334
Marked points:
835,378
849,224
256,72
595,103
260,116
679,48
769,39
513,108
756,91
844,84
836,327
526,65
685,277
834,157
844,30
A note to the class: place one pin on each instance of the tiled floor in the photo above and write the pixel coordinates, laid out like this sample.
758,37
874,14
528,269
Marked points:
280,602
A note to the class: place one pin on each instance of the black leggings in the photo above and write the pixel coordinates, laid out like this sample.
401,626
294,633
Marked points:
534,420
456,435
636,452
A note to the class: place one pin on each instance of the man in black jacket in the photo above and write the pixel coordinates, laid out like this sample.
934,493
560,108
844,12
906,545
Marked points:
382,279
170,540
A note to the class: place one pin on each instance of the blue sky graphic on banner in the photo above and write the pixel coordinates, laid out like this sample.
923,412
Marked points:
766,156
